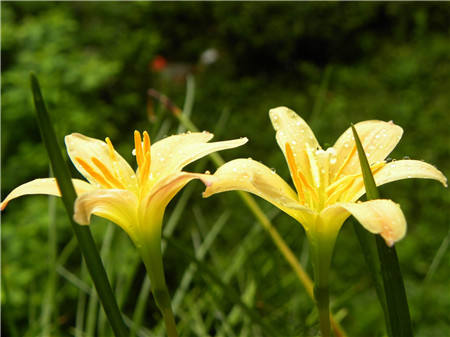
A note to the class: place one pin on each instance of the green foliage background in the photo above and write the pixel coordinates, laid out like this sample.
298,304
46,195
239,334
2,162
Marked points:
333,63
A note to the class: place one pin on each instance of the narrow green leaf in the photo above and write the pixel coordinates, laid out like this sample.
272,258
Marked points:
82,233
394,289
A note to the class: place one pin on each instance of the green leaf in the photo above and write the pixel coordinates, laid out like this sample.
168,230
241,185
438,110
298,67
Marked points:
82,233
399,320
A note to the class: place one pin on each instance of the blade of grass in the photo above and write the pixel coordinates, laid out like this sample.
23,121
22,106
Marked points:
394,289
83,234
228,291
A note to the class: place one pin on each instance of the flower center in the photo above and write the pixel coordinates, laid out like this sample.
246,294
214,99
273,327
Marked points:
316,188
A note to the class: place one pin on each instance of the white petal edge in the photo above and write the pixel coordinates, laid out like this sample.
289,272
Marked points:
45,186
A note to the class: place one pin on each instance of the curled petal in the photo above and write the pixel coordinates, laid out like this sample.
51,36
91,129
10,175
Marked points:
254,177
398,170
292,129
171,154
161,194
380,216
45,186
112,169
118,206
378,139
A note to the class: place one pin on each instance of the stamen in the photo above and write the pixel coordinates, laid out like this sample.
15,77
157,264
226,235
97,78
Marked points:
144,170
108,175
112,153
138,147
294,171
313,164
95,175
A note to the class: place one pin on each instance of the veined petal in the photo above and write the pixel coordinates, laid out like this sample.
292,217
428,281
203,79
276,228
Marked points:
118,206
171,154
380,216
398,170
378,139
111,169
292,129
45,186
254,177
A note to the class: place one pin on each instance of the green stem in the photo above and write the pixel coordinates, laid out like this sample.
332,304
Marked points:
151,255
322,296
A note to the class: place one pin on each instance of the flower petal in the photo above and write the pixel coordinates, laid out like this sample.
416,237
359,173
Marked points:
118,206
378,139
398,170
251,176
112,169
171,154
165,189
380,216
292,129
45,186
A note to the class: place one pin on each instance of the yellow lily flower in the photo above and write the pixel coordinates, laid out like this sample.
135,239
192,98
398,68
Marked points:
133,200
328,182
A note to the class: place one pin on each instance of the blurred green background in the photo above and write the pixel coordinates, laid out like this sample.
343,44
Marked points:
333,63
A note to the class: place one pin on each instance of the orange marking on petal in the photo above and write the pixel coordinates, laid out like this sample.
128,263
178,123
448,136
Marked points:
307,185
294,170
350,155
98,177
138,148
107,173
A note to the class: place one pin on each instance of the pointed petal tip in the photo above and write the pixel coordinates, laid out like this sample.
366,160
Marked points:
3,205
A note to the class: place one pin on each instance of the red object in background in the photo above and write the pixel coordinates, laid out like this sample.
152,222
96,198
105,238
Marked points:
159,63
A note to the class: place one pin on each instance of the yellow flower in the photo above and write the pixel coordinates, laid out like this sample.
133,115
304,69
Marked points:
328,182
133,200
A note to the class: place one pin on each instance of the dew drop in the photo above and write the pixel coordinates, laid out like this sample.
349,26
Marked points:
207,172
406,158
272,169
